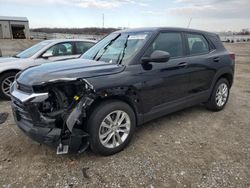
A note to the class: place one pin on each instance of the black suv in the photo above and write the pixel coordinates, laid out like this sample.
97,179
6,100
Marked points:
128,78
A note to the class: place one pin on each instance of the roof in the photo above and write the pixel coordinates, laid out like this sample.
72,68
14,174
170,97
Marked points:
12,18
70,40
154,29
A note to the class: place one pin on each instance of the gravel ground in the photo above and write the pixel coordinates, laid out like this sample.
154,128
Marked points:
190,148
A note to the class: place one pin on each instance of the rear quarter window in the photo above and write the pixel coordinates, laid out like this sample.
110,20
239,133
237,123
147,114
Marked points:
216,42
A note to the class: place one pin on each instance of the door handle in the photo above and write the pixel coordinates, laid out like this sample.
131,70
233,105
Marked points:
216,59
182,65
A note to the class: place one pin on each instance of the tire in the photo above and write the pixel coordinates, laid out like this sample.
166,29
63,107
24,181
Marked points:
214,104
3,83
99,122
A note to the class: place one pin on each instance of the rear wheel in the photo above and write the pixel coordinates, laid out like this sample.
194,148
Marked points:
6,80
111,126
219,96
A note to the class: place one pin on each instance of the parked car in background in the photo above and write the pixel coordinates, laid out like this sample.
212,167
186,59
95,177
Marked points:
128,78
43,52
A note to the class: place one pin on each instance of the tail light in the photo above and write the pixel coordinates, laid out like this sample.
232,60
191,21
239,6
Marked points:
232,55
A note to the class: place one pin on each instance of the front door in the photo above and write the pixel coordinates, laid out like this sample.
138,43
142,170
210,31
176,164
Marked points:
57,52
165,82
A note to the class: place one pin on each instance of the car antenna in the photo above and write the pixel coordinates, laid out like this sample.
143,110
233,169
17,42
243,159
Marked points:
189,23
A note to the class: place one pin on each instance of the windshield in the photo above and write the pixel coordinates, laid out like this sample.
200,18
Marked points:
32,50
117,47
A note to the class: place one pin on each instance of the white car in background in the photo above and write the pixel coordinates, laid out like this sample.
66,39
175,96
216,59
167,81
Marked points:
43,52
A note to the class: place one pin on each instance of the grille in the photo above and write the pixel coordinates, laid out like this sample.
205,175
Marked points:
24,88
20,111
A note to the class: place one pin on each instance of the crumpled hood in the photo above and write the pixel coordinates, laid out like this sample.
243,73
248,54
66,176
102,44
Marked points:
76,68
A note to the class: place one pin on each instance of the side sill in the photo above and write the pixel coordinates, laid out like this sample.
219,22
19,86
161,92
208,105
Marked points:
171,107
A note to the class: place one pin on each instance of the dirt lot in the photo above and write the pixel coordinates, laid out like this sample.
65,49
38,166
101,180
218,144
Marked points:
190,148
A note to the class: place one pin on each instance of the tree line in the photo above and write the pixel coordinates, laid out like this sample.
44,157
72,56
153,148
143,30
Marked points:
87,31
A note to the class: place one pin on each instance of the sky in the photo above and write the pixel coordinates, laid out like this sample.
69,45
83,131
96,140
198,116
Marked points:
211,15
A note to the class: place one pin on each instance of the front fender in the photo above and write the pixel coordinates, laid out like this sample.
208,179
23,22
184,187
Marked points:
128,94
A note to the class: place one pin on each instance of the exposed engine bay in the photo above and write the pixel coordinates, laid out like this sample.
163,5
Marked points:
64,109
67,105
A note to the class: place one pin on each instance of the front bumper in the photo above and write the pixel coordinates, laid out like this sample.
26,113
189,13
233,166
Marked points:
41,129
43,135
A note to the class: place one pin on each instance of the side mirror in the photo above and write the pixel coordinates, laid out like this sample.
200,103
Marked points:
46,56
157,56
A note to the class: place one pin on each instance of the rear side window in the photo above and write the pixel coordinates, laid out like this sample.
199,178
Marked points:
168,42
82,47
197,44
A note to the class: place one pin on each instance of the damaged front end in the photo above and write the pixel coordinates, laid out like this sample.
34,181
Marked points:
53,113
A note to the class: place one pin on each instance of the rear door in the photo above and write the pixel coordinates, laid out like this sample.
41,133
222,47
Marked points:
81,47
201,59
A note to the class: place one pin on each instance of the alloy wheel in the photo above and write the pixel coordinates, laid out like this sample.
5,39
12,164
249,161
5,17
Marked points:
221,95
6,84
114,129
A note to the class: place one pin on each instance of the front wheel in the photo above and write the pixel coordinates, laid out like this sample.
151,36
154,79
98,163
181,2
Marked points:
219,95
6,80
111,126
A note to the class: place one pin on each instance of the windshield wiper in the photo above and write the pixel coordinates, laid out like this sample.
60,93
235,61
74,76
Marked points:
106,47
123,51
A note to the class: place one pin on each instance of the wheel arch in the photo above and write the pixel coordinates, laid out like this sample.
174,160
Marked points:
227,76
122,98
227,73
9,70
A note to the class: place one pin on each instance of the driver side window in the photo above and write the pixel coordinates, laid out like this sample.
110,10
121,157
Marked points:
61,49
168,42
